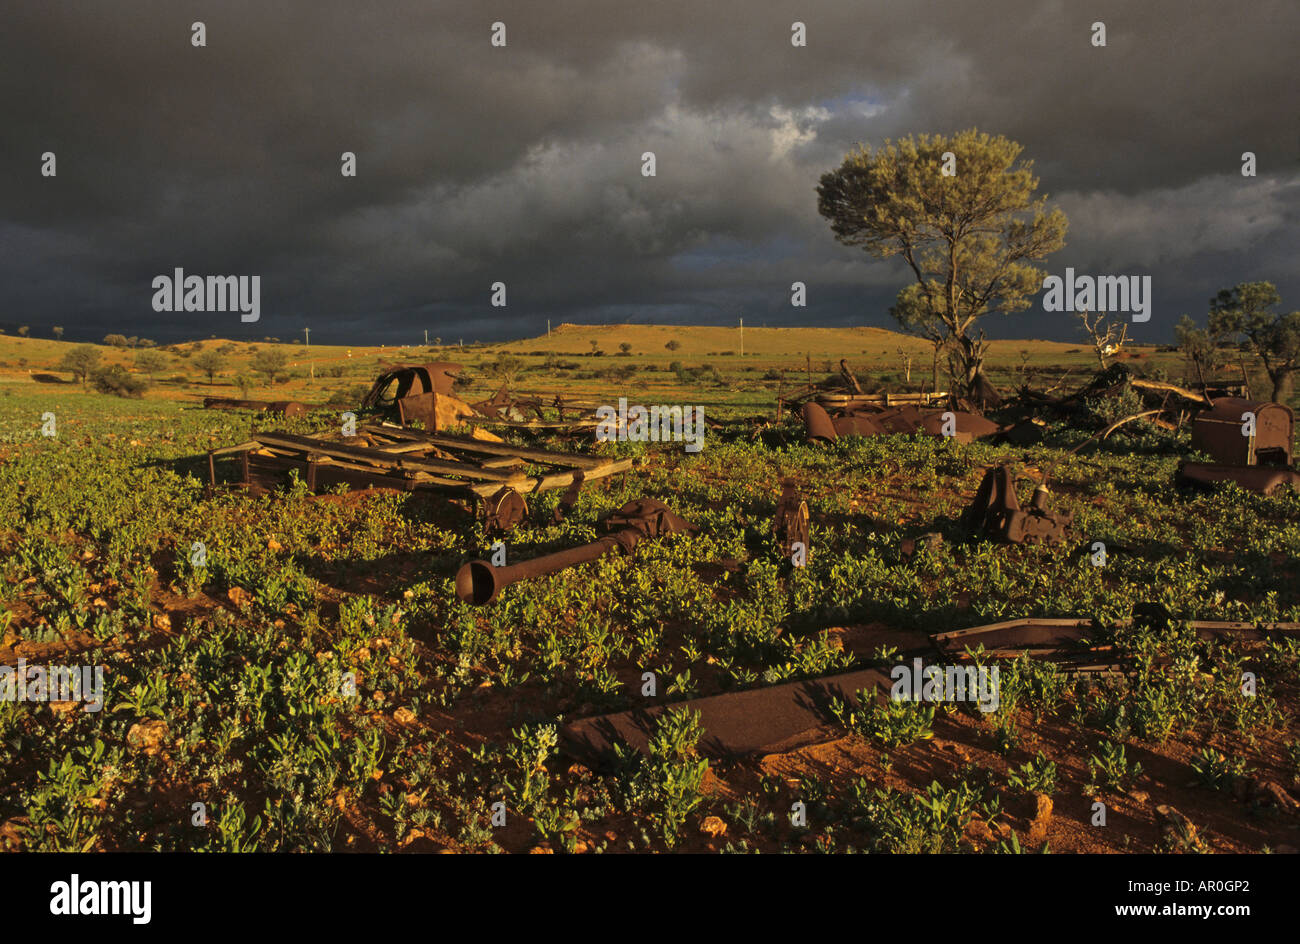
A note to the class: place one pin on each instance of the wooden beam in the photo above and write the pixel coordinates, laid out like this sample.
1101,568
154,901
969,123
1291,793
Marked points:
540,456
380,458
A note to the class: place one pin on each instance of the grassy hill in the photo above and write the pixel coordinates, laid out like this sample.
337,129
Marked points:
704,363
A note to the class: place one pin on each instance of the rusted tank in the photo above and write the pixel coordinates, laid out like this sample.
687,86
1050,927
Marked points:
1222,431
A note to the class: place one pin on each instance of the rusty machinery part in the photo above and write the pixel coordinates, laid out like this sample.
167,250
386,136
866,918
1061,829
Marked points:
478,582
568,499
286,408
1261,479
503,510
1219,432
791,521
858,424
996,513
818,424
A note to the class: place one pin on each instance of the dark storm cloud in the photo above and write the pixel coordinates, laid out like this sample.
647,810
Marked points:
478,164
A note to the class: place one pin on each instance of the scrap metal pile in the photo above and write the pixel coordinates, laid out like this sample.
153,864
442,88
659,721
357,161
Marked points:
413,460
1250,442
407,394
829,414
781,718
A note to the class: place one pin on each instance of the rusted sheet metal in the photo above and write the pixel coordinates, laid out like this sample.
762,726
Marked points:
1218,431
737,724
1262,479
479,582
418,391
996,513
408,380
286,408
434,411
968,427
1042,638
818,423
823,426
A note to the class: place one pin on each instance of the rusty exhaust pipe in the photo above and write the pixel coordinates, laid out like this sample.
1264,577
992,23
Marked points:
478,582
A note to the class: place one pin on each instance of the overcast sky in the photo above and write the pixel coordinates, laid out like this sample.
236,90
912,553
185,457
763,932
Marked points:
522,164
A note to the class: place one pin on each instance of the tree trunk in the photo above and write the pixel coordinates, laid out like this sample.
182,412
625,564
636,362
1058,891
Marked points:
1281,378
970,354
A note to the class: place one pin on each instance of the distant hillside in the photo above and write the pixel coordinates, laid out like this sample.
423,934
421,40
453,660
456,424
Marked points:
702,341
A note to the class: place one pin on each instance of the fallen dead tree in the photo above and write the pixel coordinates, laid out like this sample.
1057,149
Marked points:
285,408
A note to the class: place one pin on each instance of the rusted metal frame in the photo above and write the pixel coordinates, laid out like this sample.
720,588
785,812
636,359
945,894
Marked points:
955,643
790,523
299,459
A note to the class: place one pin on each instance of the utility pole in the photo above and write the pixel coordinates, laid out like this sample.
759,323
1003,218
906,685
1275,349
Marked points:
426,337
548,327
742,337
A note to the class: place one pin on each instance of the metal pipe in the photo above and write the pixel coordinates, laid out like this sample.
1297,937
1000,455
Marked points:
478,582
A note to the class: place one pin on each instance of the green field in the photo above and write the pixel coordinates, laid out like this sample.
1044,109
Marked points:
227,682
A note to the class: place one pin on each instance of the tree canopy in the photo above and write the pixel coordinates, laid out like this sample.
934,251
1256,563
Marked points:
962,213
